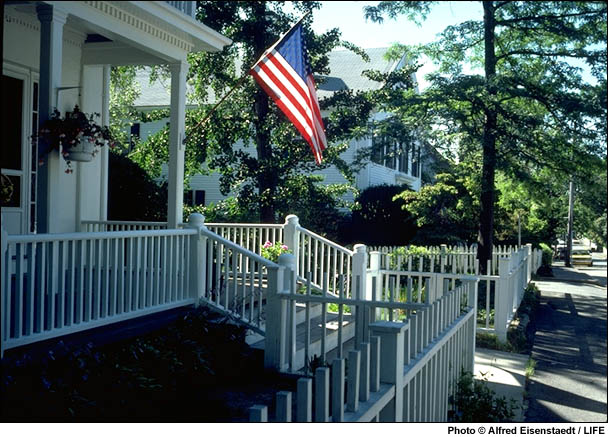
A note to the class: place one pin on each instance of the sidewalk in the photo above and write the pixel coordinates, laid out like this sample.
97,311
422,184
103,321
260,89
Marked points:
561,273
569,384
506,375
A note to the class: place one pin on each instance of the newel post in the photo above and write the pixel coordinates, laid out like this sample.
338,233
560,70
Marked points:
361,291
198,262
291,235
392,339
529,262
275,352
502,302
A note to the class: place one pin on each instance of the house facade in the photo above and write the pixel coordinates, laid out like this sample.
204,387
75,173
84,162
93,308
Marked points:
57,55
391,163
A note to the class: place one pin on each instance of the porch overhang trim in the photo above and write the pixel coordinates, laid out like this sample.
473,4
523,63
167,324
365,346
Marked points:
204,38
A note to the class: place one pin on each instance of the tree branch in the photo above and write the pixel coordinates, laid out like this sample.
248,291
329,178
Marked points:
537,18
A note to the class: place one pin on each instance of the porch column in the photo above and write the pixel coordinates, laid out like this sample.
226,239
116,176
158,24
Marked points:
176,148
105,152
52,20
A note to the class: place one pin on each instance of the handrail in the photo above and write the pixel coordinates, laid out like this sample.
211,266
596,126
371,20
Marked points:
122,222
41,238
246,225
325,240
254,256
312,298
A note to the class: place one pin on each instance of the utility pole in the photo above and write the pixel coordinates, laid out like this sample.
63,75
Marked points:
570,223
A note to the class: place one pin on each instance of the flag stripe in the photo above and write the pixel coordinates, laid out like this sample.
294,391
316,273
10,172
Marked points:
295,117
290,91
302,121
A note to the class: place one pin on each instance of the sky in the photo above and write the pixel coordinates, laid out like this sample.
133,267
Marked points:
348,16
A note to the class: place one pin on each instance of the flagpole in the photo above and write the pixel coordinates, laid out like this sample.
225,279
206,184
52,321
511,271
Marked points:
245,76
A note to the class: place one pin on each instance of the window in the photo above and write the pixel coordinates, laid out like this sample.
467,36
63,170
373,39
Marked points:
135,135
199,197
378,150
11,152
194,197
416,162
404,158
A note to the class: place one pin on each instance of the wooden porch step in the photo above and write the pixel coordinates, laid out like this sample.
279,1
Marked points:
331,340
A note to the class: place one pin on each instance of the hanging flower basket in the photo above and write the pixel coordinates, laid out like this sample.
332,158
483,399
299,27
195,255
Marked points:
76,136
84,151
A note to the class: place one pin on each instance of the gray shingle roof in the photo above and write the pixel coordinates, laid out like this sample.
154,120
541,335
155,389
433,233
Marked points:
346,70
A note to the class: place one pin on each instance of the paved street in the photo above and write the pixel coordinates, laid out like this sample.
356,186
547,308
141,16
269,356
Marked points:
569,384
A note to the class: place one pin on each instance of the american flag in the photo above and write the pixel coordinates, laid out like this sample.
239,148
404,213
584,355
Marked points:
285,74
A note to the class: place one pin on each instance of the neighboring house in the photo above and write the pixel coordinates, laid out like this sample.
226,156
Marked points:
391,164
58,55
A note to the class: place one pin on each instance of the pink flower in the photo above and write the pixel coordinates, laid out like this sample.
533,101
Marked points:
267,244
284,247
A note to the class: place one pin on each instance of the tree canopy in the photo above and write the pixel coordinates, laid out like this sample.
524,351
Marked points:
530,109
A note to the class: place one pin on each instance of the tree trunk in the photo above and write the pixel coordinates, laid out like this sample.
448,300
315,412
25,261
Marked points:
486,224
266,178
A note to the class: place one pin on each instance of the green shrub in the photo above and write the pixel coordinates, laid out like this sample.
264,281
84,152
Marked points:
547,254
474,401
377,219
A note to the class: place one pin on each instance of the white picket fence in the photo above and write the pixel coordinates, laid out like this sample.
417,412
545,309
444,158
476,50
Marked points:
502,288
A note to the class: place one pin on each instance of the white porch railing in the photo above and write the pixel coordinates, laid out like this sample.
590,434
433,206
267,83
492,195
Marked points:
402,370
186,7
322,258
249,236
57,284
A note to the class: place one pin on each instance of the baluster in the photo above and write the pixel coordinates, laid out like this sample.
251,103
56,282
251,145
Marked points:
354,375
340,318
61,286
304,400
322,394
365,374
234,280
31,287
307,325
337,377
284,406
324,320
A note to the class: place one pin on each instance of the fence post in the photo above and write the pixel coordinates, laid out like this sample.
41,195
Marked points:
291,236
472,285
374,270
276,321
502,302
529,262
391,365
359,278
198,262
